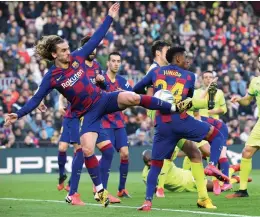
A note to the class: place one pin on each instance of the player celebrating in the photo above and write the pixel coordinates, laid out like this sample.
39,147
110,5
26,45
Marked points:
171,128
67,75
253,142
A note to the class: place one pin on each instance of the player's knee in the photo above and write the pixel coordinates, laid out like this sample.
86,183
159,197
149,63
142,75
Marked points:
247,153
195,155
88,151
63,146
134,99
124,154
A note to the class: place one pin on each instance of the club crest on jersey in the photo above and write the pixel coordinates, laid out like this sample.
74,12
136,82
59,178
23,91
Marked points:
75,65
73,79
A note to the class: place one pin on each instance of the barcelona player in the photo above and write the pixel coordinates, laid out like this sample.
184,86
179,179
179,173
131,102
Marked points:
113,124
253,143
169,129
88,101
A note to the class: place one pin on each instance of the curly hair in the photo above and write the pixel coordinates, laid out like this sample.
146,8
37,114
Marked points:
173,51
47,45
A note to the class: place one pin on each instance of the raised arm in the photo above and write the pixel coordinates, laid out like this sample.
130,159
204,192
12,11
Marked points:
99,34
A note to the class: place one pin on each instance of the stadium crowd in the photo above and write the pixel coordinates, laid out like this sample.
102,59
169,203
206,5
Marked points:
222,36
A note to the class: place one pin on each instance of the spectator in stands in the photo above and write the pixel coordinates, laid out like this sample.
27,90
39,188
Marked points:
238,86
223,36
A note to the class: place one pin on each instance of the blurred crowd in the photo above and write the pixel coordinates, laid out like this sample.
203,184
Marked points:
222,36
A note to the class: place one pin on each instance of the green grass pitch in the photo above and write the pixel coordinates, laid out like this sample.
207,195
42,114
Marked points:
40,187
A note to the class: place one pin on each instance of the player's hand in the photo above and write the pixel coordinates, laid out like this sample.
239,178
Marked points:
10,119
100,78
42,107
235,99
62,111
114,10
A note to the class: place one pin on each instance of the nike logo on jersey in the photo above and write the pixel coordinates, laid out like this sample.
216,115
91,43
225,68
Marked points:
72,80
59,78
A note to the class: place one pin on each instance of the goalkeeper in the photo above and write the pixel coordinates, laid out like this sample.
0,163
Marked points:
179,180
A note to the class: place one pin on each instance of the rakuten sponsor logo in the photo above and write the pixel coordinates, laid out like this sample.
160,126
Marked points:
72,80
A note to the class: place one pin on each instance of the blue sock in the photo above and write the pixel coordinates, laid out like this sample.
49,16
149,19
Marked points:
216,144
77,164
62,159
154,103
92,165
74,156
224,167
105,163
123,171
152,178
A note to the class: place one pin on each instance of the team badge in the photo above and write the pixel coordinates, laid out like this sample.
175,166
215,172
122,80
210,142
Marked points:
75,64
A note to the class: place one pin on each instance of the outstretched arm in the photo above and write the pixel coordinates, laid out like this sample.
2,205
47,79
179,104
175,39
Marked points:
43,90
100,33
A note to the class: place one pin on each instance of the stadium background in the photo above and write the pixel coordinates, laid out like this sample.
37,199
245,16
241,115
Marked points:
222,36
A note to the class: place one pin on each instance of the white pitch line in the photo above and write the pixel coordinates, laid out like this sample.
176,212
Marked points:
133,207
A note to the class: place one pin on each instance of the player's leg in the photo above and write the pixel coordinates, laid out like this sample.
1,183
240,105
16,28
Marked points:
62,154
245,169
163,147
191,129
73,196
223,160
104,144
121,145
90,127
190,149
127,99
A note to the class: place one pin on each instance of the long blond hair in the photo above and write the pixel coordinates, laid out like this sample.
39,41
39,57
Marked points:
47,45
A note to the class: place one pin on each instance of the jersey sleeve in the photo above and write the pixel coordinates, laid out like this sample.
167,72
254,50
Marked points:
145,82
251,90
95,39
222,102
43,90
102,85
124,84
192,87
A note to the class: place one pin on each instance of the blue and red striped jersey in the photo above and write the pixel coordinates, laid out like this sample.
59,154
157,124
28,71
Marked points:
91,72
73,83
115,120
173,78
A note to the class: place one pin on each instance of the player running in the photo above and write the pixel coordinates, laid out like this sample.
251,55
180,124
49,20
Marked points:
88,102
171,128
253,143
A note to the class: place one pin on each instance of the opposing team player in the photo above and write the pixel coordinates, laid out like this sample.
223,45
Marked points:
179,180
171,128
253,143
88,102
216,105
